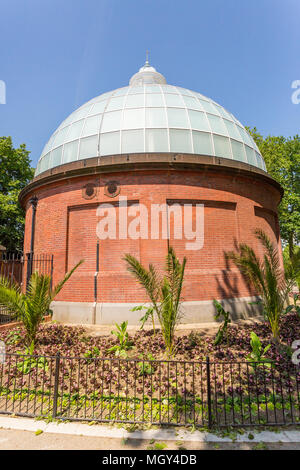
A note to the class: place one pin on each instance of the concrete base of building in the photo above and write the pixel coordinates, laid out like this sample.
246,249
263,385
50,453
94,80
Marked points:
103,313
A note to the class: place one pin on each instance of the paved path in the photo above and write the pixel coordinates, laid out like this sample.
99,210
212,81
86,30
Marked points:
26,433
27,440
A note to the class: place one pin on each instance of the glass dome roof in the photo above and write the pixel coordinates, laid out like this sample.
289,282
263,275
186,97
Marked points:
149,116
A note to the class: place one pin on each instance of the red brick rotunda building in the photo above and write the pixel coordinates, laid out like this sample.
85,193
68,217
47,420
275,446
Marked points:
151,145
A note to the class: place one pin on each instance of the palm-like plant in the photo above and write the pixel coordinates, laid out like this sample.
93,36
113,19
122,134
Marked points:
164,293
31,307
266,276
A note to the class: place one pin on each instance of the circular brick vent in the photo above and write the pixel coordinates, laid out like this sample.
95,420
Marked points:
112,189
89,191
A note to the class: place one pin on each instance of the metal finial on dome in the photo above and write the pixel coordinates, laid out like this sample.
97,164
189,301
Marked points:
147,57
147,75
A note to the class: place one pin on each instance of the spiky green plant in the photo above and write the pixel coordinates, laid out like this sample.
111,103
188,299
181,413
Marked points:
31,307
164,293
257,354
223,330
267,277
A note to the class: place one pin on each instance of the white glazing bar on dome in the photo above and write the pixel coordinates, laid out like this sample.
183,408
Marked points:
149,116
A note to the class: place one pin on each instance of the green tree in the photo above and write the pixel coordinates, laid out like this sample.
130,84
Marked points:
282,157
15,174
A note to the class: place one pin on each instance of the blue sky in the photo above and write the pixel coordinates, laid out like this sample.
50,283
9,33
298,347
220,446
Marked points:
55,55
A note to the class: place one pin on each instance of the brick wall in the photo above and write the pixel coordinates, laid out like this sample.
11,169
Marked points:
233,207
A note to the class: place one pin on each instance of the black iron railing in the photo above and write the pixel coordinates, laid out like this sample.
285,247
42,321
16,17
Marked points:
157,391
18,268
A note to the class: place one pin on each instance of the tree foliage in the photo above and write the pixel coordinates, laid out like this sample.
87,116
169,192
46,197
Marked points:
15,174
282,157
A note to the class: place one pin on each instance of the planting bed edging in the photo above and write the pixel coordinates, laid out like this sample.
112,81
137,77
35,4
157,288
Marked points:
27,424
10,326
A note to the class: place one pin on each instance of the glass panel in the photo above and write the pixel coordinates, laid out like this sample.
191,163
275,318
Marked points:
133,141
174,100
157,140
209,107
115,103
222,146
156,117
110,143
154,100
106,95
177,117
199,120
37,170
254,144
61,136
152,89
259,160
81,113
184,91
75,130
169,89
192,102
236,121
223,112
232,130
56,156
202,143
217,124
136,89
238,151
133,118
111,121
245,136
45,162
66,122
121,91
94,100
88,147
48,145
92,125
42,166
251,156
134,101
180,141
198,95
70,151
99,107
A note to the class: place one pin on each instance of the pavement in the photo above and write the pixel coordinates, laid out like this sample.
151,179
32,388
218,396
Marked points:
29,434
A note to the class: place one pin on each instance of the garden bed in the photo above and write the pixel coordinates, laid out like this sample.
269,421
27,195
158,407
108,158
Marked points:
201,384
196,346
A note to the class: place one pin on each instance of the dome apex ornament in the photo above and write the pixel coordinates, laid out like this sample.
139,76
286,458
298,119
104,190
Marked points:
147,58
147,75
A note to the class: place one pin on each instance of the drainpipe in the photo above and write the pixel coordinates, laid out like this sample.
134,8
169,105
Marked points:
95,283
33,201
